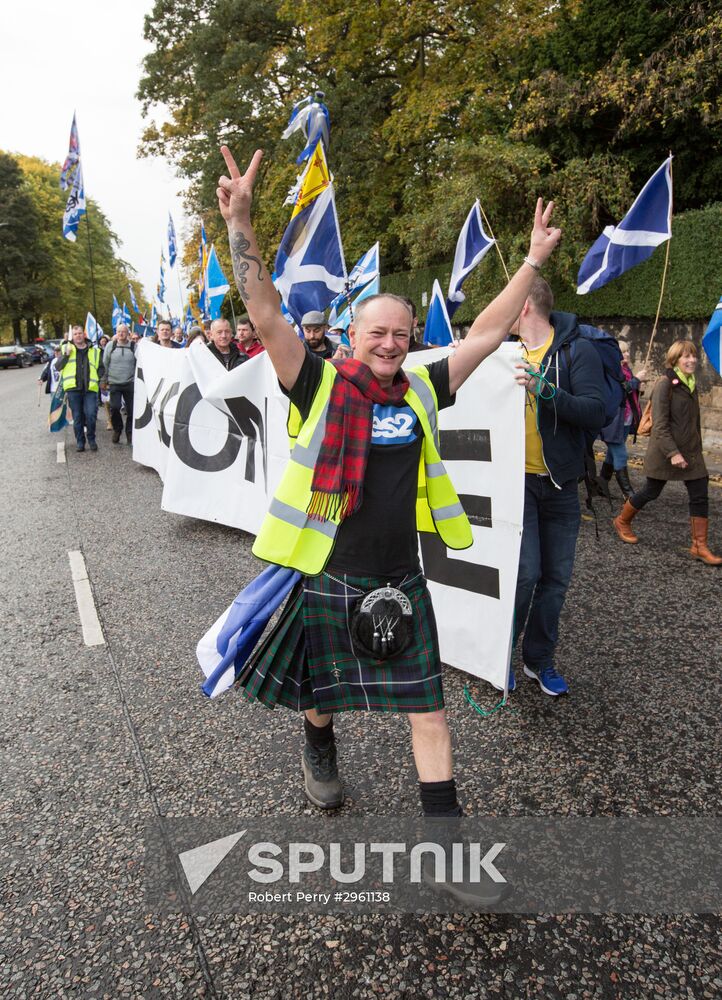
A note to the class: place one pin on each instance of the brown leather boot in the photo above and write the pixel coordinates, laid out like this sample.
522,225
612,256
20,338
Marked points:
699,548
623,523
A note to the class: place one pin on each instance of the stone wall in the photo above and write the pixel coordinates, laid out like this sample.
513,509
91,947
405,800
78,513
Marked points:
637,334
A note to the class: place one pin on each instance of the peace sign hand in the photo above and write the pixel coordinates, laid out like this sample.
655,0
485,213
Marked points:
543,237
235,193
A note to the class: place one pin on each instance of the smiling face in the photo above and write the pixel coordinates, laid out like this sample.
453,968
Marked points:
688,363
380,337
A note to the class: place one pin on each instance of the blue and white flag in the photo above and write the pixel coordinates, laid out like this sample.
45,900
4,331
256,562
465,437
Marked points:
365,270
75,207
132,299
188,320
344,320
72,160
437,330
471,247
310,269
310,116
216,285
117,315
647,224
713,337
161,283
153,318
224,649
126,315
93,329
172,247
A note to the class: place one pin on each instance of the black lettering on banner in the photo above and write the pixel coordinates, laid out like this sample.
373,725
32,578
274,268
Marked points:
162,431
147,415
187,401
250,423
462,446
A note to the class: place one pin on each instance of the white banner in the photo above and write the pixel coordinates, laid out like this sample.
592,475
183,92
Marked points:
218,440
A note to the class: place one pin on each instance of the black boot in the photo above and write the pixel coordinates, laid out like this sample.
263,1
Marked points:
625,486
606,471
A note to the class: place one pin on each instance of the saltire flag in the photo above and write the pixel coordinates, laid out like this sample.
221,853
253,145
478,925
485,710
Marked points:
226,646
712,337
161,283
364,270
312,118
172,249
153,318
437,330
188,320
216,283
117,316
72,160
647,224
471,247
57,418
133,300
344,320
310,267
93,329
75,207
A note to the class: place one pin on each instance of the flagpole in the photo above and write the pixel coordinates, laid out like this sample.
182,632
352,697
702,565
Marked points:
491,233
90,256
666,264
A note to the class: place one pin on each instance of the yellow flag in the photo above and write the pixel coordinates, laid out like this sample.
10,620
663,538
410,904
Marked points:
315,180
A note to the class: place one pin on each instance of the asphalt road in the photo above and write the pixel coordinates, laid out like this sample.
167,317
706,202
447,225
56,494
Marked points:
97,740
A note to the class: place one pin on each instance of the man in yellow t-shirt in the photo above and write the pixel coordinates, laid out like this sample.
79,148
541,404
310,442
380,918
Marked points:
563,378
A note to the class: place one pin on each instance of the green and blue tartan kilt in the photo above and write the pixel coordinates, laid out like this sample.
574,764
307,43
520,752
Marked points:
308,661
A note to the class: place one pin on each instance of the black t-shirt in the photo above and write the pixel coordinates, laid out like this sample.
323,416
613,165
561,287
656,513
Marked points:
380,539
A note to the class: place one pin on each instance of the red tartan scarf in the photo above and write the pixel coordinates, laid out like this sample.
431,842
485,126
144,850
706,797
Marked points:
337,486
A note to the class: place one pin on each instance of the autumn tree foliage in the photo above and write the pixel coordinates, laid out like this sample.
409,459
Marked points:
44,278
436,102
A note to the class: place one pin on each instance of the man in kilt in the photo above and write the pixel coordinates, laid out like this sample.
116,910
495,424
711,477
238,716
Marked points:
363,477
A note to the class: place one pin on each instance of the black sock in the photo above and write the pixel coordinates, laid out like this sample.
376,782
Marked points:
438,798
319,737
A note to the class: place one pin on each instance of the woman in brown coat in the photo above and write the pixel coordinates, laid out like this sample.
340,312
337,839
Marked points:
675,450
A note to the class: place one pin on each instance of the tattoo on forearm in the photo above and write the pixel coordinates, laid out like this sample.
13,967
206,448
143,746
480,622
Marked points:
241,263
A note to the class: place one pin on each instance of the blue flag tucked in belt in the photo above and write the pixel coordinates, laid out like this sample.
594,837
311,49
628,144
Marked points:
224,649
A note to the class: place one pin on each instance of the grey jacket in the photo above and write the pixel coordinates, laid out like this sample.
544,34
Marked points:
119,361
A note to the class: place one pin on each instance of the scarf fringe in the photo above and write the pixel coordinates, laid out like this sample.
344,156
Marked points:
329,506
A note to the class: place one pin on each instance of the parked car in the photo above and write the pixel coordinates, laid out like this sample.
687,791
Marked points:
14,357
36,353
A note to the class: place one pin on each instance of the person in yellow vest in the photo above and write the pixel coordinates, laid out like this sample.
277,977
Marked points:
365,474
81,368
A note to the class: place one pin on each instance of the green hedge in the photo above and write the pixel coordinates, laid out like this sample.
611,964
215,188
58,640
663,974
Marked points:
693,287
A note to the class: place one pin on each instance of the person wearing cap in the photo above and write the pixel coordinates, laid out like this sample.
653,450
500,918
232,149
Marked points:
364,475
315,330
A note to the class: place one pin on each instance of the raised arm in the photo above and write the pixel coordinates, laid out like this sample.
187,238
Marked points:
493,324
253,281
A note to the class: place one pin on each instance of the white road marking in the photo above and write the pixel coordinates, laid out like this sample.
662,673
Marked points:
61,452
92,632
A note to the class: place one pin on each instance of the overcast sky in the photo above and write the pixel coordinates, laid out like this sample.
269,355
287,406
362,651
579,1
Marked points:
58,58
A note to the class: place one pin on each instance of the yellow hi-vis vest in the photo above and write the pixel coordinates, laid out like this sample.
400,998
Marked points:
70,370
289,537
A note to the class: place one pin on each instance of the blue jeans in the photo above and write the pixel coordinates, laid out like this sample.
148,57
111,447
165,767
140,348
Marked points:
84,407
551,526
617,453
